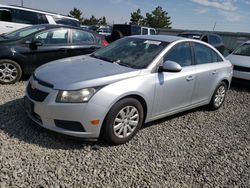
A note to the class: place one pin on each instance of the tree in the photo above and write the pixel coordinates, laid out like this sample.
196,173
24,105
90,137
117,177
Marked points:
158,18
76,13
136,17
91,21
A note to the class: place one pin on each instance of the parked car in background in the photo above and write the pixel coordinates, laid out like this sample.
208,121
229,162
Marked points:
122,30
213,39
15,17
22,51
104,31
136,79
240,58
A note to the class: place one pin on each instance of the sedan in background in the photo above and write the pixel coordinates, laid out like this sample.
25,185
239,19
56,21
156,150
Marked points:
137,79
22,51
211,38
240,58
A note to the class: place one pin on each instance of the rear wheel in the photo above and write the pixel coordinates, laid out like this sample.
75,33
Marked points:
10,71
218,96
123,121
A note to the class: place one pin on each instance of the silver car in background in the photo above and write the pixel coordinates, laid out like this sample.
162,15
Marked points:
240,58
134,80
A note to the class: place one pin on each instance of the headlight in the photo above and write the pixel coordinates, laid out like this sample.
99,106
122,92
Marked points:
78,96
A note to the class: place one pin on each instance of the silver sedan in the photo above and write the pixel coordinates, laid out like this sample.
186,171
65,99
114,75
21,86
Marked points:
134,80
240,58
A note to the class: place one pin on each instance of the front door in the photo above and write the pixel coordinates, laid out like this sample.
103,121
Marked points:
174,90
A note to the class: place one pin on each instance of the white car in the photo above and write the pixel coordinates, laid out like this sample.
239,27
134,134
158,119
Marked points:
240,58
14,17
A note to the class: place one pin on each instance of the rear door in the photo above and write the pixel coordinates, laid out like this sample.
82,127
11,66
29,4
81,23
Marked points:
208,67
82,42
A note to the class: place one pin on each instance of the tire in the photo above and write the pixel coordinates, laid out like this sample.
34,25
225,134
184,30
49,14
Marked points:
120,126
10,71
218,97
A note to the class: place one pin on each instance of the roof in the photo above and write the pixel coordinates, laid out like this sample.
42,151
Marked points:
165,38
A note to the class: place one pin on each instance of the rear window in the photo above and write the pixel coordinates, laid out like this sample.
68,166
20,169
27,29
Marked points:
214,39
65,21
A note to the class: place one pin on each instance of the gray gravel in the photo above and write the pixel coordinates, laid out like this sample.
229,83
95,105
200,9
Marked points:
198,148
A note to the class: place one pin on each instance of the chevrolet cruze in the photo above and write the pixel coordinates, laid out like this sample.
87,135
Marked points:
134,80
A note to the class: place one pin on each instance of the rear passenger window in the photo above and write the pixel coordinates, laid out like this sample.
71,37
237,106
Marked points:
25,17
152,32
205,55
66,21
82,37
180,53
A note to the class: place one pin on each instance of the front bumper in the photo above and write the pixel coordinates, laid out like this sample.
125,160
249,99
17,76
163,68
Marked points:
47,112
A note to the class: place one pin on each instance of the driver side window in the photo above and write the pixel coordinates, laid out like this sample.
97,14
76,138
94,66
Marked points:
181,54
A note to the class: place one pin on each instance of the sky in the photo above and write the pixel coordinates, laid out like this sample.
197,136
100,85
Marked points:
220,15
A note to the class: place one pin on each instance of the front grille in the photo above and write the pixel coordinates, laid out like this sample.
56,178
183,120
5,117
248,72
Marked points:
36,94
69,125
42,82
243,69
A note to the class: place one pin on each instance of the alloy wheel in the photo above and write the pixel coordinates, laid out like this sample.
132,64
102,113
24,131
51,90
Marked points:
219,96
8,72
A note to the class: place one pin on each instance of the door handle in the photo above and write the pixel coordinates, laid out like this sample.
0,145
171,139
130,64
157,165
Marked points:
214,72
9,26
190,78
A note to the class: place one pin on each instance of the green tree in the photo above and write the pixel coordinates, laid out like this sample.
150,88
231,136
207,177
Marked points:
136,17
158,18
91,21
76,13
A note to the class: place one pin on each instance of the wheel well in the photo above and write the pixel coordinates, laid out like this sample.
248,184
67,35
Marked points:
226,81
142,101
13,59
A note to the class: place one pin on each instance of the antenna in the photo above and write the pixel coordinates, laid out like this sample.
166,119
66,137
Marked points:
214,25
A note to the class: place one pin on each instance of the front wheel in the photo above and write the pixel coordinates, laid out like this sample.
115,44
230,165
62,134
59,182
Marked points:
123,121
218,96
10,71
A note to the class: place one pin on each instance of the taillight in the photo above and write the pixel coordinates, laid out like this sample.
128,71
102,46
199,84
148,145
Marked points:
104,42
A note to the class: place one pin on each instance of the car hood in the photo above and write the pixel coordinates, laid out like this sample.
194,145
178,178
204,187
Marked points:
239,60
82,72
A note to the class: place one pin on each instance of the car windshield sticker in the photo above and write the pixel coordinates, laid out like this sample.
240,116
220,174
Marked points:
152,42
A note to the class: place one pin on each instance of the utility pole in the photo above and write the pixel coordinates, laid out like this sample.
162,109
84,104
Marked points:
214,25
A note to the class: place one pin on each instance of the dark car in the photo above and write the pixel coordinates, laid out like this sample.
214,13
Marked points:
211,38
22,51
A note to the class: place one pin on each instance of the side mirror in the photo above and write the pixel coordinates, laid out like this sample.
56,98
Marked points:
170,66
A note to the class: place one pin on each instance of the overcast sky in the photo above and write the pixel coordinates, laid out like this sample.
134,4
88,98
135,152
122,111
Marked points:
229,15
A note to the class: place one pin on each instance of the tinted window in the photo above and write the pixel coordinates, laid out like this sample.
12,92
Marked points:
82,37
205,54
5,15
180,53
152,32
53,37
42,18
144,31
135,30
65,21
243,50
131,52
25,17
214,39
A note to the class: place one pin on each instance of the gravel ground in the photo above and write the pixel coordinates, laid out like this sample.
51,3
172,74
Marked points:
198,148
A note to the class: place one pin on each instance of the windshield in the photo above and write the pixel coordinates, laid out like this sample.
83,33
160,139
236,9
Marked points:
131,52
243,50
23,32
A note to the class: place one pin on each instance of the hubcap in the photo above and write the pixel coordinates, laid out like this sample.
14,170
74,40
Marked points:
219,96
8,72
126,121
